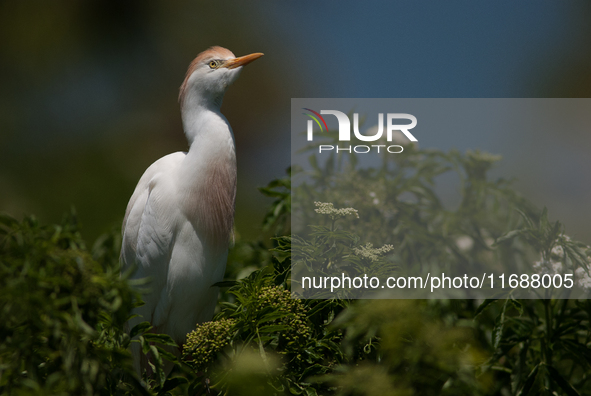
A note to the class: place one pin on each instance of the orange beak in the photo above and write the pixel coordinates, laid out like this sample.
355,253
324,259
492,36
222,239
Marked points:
241,61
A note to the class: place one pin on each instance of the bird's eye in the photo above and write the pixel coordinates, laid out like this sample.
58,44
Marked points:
213,64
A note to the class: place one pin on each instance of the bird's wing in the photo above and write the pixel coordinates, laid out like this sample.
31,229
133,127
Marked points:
148,229
137,204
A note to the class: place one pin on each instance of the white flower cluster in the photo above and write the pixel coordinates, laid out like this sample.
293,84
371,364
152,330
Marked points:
464,242
328,208
368,251
375,200
548,267
558,250
583,278
553,266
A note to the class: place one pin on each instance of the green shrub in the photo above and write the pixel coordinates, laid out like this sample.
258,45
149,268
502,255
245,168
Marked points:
61,313
63,307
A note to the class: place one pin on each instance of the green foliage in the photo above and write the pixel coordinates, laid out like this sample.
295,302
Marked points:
407,202
278,217
288,337
540,346
406,347
63,307
62,313
543,345
329,250
550,241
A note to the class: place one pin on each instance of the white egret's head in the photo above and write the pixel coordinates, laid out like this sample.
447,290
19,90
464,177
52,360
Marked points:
210,74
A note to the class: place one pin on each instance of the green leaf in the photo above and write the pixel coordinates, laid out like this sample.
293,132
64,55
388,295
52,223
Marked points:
270,316
320,306
140,328
529,382
517,305
525,217
273,328
311,392
560,381
483,306
172,383
164,339
139,387
498,329
578,349
508,236
167,355
160,375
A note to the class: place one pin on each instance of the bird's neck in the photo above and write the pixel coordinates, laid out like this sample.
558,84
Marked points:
209,171
200,114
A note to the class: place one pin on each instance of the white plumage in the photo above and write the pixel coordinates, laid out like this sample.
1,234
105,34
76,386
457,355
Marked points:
179,219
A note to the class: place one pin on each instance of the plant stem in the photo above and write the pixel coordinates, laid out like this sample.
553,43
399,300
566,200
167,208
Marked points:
547,348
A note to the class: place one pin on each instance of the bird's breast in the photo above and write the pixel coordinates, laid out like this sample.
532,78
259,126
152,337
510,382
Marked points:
209,195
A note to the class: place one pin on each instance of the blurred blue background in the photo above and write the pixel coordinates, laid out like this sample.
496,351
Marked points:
89,89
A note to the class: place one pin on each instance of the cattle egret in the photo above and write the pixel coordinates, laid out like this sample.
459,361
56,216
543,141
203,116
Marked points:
179,219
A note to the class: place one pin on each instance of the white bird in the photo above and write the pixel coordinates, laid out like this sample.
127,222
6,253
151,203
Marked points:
178,222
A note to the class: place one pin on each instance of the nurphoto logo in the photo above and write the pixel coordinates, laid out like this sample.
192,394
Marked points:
391,125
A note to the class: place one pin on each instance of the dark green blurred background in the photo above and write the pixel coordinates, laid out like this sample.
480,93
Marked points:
88,96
